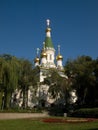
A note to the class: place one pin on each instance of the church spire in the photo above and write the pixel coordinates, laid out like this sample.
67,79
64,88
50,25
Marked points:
48,29
37,58
58,49
48,22
37,52
48,40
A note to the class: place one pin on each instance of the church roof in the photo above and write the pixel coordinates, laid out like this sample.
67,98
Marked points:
48,42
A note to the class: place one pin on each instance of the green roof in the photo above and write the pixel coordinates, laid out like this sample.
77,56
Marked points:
48,42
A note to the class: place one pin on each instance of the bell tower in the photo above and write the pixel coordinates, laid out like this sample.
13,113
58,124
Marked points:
49,48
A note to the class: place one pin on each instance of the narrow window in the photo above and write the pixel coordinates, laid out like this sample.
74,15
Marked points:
50,56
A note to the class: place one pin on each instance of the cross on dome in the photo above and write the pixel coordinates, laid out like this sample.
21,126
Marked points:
59,56
58,49
37,51
48,22
43,45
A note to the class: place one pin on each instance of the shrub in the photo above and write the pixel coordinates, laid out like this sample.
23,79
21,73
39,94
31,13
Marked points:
56,110
86,112
17,110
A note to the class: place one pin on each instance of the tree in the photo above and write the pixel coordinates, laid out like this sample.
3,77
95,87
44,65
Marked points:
96,84
9,77
58,86
25,79
81,71
16,74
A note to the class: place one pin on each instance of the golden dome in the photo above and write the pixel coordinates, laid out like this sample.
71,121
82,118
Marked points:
36,59
48,29
59,57
43,54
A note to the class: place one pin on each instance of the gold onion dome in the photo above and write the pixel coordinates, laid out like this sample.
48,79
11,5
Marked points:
36,59
59,57
48,29
43,54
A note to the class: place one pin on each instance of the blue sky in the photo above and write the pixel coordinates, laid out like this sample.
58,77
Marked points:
74,26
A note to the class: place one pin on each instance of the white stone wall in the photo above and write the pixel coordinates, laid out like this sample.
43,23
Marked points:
50,55
59,63
36,64
43,60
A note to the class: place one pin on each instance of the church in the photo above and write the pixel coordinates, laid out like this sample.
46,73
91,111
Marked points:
46,61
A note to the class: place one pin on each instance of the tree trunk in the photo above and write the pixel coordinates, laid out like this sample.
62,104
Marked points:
24,97
6,99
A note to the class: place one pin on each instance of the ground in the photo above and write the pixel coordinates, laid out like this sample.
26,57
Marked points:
38,121
21,115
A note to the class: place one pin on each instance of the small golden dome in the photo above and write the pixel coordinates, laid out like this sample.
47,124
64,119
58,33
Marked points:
48,29
36,59
43,54
59,57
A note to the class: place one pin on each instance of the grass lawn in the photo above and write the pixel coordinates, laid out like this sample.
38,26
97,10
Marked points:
32,124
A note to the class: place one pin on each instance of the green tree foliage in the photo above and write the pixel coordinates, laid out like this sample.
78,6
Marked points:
16,73
58,86
96,85
82,75
25,79
8,77
35,76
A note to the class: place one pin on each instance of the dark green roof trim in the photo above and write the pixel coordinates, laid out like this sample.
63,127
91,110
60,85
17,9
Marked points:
48,42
